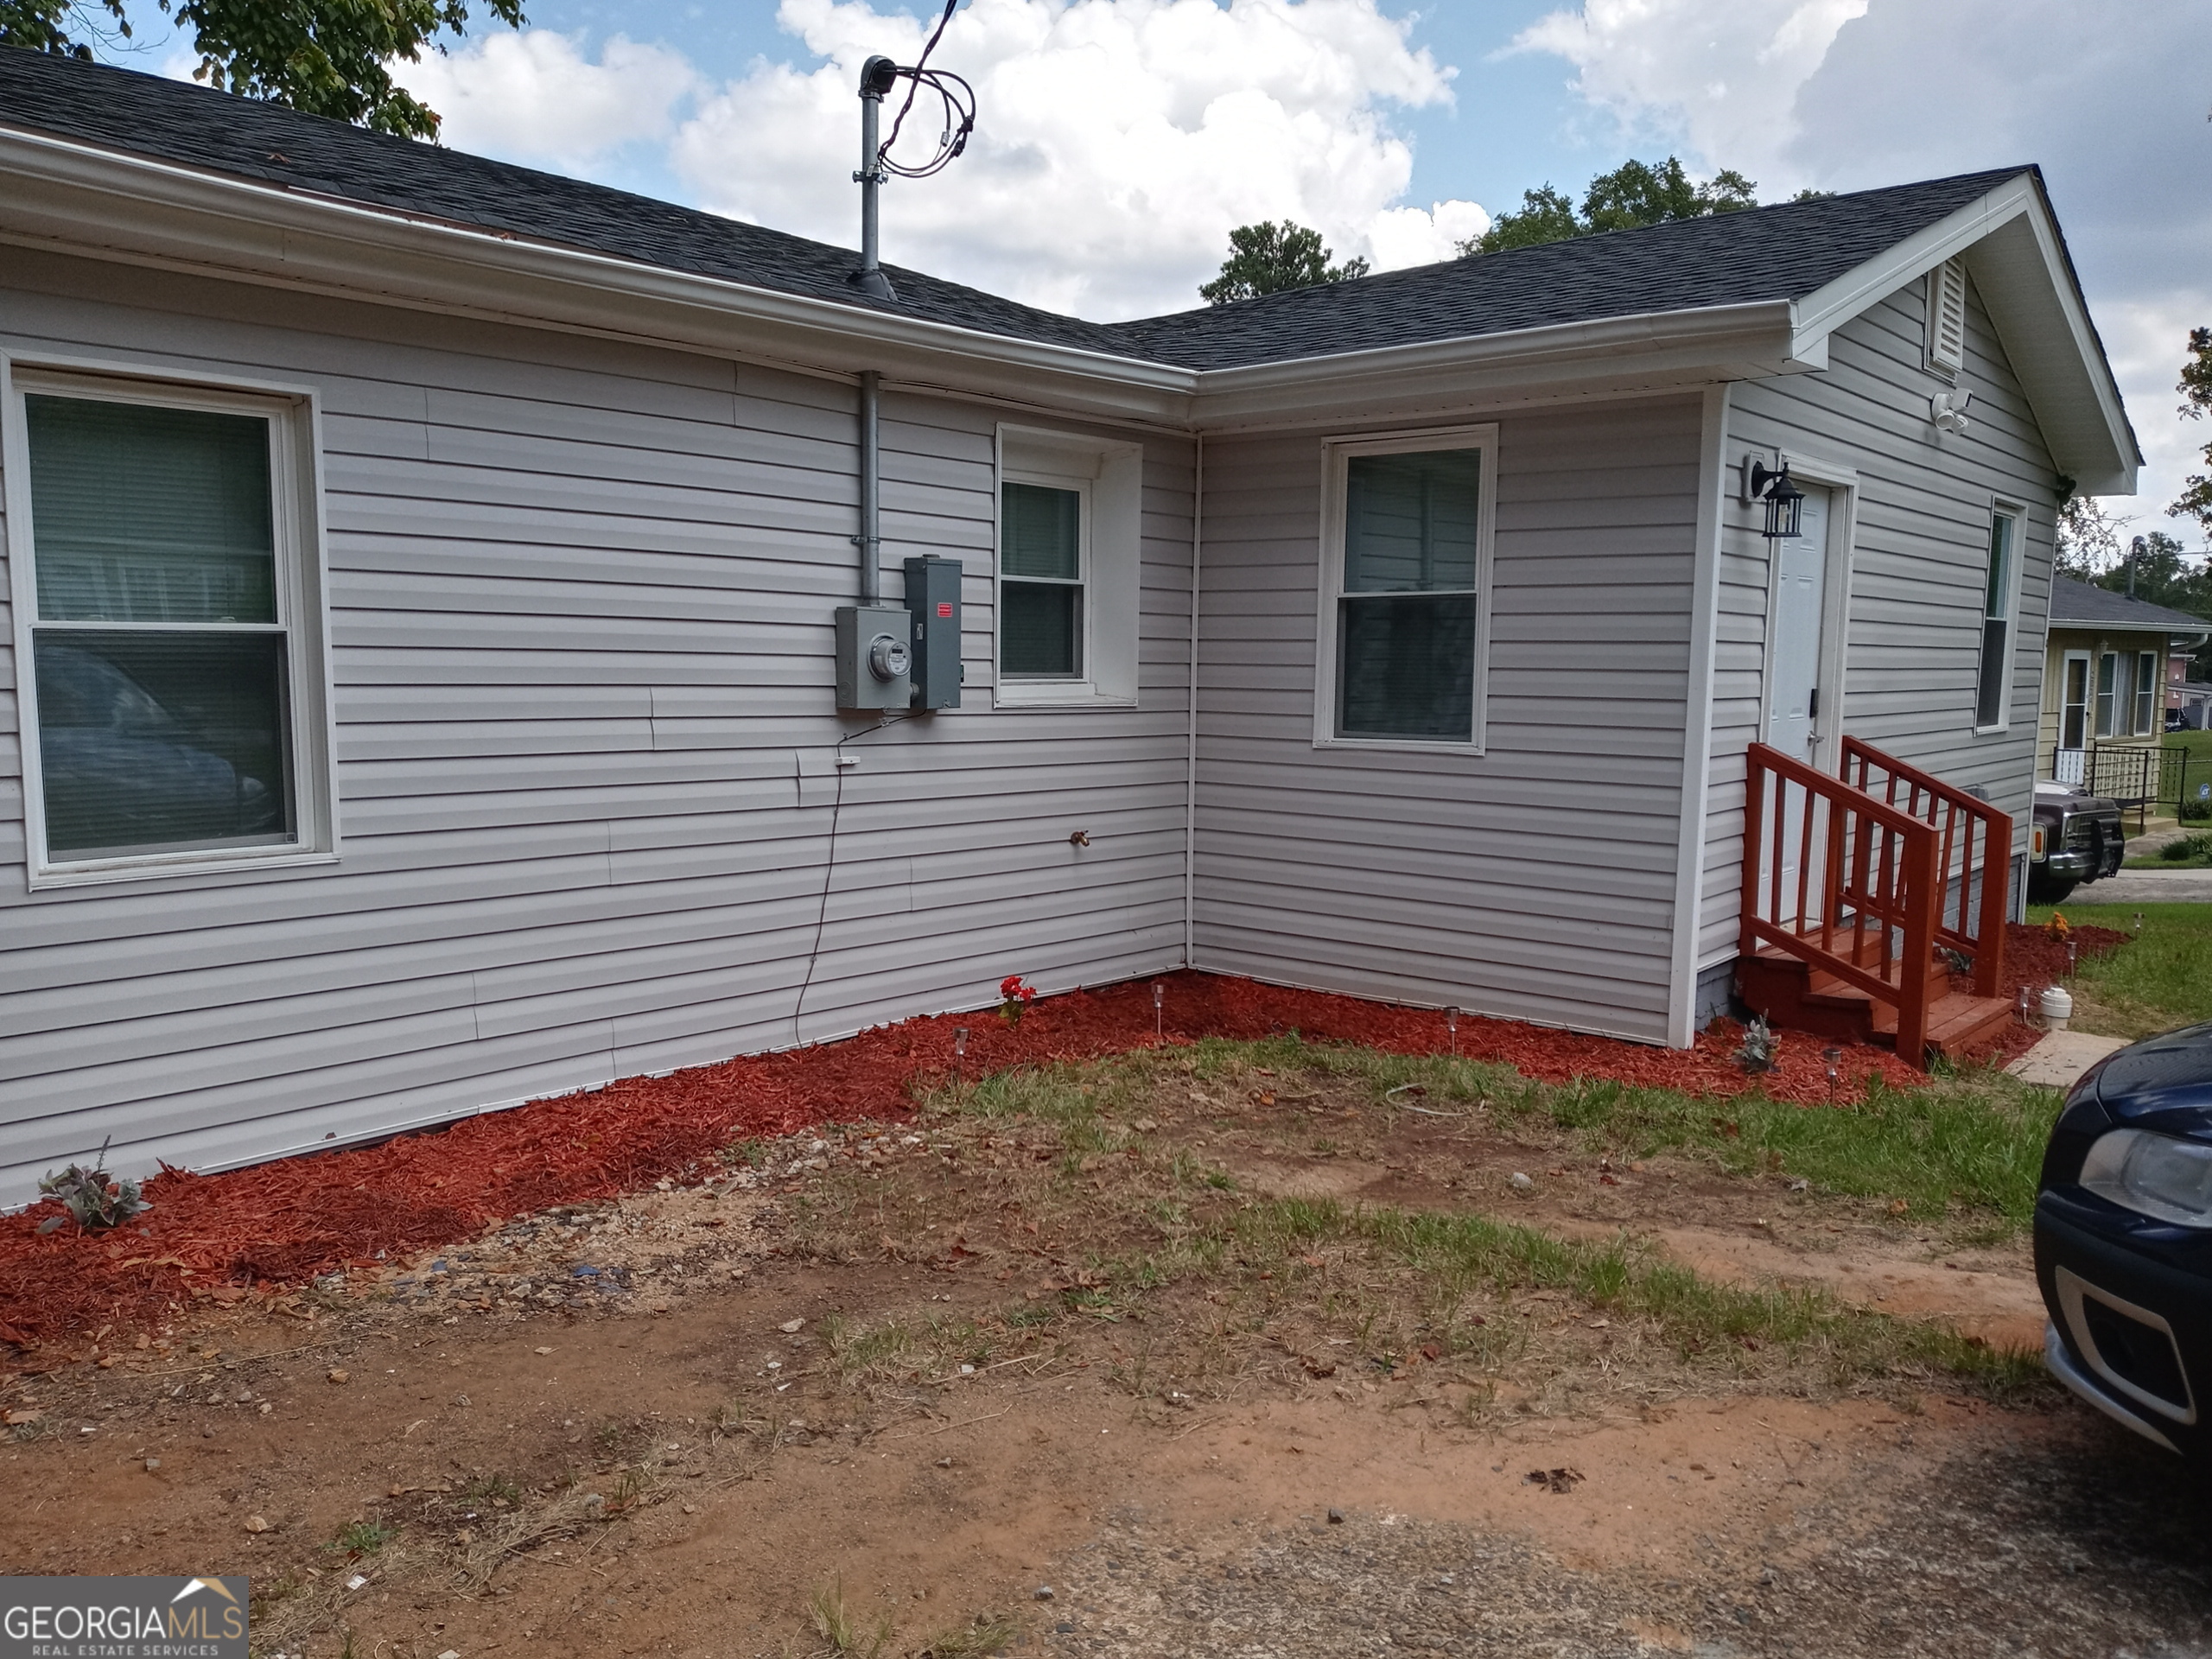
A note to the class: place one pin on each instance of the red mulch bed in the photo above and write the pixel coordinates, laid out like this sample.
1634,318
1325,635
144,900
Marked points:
278,1223
2034,959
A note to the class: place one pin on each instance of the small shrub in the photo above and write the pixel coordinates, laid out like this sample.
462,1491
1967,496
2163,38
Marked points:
2195,811
2198,846
1756,1053
96,1199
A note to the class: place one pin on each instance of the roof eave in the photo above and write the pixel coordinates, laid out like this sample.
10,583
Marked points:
1654,351
2009,243
85,199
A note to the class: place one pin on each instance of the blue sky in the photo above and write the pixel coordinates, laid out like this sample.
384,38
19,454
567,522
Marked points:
1121,140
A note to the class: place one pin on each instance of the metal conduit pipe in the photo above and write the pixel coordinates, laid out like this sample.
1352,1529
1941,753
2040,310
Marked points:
870,535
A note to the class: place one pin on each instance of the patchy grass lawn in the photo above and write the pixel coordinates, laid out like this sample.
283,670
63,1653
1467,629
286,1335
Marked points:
2160,980
1240,1273
1363,1214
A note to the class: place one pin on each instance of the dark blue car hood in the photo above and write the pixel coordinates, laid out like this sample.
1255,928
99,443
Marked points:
2162,1082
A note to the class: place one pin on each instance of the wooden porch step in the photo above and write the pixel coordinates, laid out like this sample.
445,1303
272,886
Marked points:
1957,1023
1794,995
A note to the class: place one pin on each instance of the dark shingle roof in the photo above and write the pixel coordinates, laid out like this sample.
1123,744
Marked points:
2081,604
1782,252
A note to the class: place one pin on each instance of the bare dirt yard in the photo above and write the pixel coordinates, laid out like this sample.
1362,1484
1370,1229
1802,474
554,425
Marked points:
1240,1349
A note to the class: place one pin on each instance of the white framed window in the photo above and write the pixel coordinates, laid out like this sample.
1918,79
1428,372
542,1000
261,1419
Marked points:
1066,569
2146,692
1408,524
1947,318
167,583
2108,694
2000,577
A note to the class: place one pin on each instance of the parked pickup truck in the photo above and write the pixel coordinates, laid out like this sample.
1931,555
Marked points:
2077,838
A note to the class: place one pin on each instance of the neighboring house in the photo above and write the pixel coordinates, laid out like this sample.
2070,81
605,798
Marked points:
2191,699
423,573
2106,689
2179,661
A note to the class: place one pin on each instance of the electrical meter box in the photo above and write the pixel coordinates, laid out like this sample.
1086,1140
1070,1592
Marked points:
933,600
874,656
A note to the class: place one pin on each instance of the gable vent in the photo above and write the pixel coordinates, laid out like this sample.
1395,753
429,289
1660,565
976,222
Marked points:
1947,317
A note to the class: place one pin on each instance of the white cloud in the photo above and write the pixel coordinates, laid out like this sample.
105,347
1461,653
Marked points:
1119,142
535,97
1717,76
2107,95
1414,236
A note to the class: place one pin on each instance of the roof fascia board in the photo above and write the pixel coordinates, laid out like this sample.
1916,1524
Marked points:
1829,307
80,198
87,201
1652,352
2103,463
2021,273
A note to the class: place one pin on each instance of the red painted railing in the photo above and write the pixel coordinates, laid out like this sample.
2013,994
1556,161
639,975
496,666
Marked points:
1974,856
1861,900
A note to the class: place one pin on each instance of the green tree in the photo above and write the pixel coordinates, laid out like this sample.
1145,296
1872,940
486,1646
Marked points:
1632,195
2089,539
2195,388
325,57
1266,258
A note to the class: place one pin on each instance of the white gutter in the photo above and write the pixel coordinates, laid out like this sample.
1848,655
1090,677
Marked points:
82,198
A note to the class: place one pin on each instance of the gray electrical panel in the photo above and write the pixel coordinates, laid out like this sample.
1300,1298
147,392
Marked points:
874,656
933,600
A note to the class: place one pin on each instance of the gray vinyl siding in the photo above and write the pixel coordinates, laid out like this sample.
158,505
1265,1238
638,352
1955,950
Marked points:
1535,880
581,599
1913,633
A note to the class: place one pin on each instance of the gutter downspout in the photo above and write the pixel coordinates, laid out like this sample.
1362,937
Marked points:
870,535
1191,777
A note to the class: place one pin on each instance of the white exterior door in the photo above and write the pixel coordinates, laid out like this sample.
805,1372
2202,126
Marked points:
1800,563
1793,714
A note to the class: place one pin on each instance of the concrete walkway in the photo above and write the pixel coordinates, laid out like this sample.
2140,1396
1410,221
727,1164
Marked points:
2062,1056
2145,887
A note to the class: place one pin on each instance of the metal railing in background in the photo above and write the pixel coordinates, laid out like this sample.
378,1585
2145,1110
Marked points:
2135,775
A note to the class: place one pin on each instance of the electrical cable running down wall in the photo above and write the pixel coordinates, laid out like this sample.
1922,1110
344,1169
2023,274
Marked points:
885,672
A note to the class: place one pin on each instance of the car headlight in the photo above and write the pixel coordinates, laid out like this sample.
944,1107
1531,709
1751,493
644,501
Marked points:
2153,1175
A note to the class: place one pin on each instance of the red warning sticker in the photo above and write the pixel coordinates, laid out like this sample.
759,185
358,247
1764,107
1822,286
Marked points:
944,607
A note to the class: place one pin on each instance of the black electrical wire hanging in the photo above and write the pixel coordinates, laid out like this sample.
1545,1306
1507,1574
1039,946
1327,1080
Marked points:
955,94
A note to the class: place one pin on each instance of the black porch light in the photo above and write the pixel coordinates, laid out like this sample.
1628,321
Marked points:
1782,498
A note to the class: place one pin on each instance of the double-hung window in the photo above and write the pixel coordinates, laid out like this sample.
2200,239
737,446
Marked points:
1994,679
1070,569
1043,532
2109,706
1406,585
169,617
2146,692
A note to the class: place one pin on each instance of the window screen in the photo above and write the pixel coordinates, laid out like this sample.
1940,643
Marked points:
1995,679
1040,582
2146,692
158,650
1406,618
